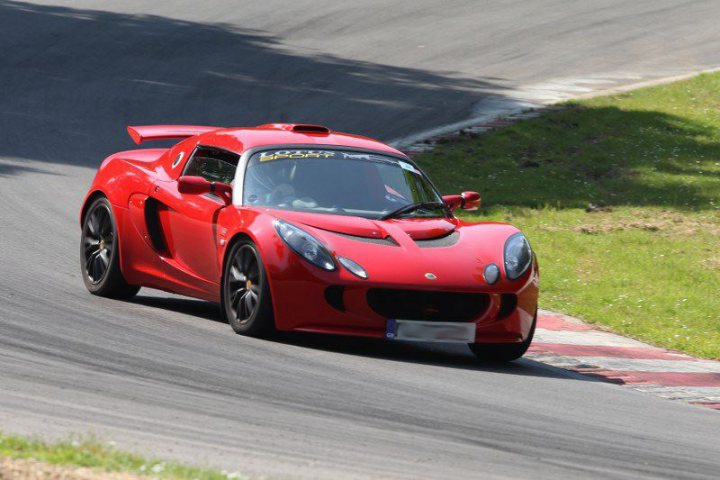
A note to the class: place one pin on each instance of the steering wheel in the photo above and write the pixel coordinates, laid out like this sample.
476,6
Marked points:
283,193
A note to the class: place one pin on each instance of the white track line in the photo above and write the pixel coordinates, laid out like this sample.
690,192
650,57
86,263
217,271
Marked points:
688,394
591,337
636,364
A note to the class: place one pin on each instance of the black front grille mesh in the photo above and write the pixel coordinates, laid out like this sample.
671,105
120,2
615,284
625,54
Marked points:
427,305
508,302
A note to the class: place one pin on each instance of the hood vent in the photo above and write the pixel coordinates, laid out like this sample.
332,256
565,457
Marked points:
445,241
389,241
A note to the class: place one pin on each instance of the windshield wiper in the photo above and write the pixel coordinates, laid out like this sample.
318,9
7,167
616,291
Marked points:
411,207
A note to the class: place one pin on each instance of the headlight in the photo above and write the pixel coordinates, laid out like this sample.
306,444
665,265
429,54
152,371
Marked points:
305,245
353,267
491,273
517,256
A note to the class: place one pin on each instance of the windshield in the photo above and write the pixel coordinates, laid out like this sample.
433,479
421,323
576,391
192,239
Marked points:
338,182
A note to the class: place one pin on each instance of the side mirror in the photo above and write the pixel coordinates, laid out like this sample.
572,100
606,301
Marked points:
470,200
453,201
466,201
199,185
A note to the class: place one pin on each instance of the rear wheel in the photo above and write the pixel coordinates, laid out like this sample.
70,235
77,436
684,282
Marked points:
503,352
99,257
246,301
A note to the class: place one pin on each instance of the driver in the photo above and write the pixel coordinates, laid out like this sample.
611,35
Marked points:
275,185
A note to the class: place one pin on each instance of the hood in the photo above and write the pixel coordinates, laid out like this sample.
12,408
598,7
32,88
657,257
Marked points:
416,228
457,264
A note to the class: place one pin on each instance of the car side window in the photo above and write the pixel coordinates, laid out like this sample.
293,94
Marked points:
213,165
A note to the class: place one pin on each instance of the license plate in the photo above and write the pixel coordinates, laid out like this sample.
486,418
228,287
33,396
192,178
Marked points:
420,331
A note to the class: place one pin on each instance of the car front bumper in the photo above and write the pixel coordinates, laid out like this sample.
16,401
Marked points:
310,300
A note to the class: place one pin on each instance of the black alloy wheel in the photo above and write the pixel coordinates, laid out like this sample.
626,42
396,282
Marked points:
99,239
99,258
245,293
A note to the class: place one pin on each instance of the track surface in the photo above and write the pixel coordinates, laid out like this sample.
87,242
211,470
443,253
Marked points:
161,375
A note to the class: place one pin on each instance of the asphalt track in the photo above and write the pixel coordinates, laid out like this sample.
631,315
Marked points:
161,375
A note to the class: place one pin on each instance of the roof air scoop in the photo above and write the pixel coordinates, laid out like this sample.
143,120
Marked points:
298,127
303,128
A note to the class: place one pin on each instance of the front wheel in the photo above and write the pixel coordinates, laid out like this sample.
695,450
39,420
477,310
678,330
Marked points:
100,255
503,352
246,301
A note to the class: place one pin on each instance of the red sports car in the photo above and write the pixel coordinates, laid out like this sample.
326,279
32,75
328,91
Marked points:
296,227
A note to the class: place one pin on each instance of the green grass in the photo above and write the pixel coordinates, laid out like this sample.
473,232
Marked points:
102,456
620,198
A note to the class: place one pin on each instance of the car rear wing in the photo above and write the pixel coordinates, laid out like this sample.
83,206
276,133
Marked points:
143,133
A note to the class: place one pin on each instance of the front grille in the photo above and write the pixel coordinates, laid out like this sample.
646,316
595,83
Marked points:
427,305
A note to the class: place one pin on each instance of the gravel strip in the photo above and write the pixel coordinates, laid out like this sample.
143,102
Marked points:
20,469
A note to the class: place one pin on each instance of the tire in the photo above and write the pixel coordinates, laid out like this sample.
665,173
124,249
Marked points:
503,352
246,302
99,253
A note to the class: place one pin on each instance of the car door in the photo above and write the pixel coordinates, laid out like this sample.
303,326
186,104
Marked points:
189,222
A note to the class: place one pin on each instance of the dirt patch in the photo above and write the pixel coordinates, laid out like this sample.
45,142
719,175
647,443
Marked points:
19,469
664,223
711,263
616,227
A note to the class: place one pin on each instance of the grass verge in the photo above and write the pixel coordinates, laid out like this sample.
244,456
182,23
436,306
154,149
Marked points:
102,457
620,198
